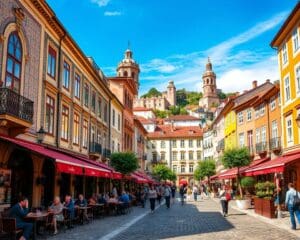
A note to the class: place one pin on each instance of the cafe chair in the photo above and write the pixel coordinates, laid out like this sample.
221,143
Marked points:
10,227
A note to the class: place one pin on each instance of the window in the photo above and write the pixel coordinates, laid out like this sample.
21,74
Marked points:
273,103
174,145
119,122
77,86
191,168
99,112
274,129
249,114
49,121
154,156
241,139
198,142
295,40
182,168
264,134
191,143
118,147
182,143
65,123
51,69
262,109
287,89
257,113
86,95
85,134
94,101
279,99
191,155
113,146
105,112
13,63
66,75
76,128
162,156
257,136
298,79
284,53
174,156
175,168
162,144
289,131
113,117
198,155
240,117
182,155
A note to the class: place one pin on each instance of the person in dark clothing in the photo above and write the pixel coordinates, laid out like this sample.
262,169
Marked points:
69,205
19,211
173,190
182,192
82,202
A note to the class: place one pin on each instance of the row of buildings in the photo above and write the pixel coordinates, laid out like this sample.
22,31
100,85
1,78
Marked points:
60,116
265,118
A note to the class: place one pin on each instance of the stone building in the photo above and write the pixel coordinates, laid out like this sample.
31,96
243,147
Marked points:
163,102
210,93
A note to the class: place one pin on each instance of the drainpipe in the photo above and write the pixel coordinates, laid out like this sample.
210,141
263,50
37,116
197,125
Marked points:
109,125
59,80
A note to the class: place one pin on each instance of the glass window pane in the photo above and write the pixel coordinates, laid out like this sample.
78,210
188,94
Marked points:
17,70
9,67
8,81
18,53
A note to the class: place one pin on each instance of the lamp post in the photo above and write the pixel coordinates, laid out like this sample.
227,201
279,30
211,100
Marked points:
298,120
40,135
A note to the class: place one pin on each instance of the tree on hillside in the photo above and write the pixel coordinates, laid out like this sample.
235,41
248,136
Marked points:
162,172
153,92
236,157
206,168
193,98
160,113
181,97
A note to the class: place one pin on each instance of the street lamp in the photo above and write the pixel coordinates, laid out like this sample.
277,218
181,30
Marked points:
40,135
298,120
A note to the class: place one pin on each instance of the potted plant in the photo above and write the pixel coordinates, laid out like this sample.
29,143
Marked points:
264,202
237,158
246,183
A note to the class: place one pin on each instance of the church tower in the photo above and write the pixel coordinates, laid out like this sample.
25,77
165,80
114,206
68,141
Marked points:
210,96
171,93
129,68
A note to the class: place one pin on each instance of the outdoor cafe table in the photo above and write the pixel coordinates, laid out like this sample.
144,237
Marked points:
34,217
115,205
82,210
96,207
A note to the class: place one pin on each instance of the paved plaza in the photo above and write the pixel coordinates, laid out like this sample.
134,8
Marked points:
201,220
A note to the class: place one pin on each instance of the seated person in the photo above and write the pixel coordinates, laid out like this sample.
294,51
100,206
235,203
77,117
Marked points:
93,199
124,197
57,209
102,199
81,202
69,205
19,211
112,199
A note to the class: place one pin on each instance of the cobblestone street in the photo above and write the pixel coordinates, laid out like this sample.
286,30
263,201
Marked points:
191,221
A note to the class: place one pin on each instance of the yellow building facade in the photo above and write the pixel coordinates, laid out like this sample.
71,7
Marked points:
230,130
287,43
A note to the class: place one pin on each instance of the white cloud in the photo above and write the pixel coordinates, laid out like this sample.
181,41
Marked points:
101,3
112,14
158,65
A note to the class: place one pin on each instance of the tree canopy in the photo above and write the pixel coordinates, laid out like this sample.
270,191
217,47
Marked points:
162,172
204,169
124,162
184,98
153,92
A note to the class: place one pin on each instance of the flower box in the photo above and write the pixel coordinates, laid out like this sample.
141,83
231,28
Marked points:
264,207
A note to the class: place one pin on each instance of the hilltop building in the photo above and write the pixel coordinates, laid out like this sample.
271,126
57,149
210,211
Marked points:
163,102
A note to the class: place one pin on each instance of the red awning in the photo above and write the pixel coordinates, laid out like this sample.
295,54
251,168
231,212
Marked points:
273,166
64,163
232,173
116,175
138,179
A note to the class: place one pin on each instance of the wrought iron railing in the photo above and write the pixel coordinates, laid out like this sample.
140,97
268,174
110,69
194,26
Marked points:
16,105
95,148
261,147
275,143
106,152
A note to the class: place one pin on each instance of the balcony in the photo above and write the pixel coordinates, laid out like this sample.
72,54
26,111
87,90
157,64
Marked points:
106,153
261,147
16,112
275,145
251,150
95,150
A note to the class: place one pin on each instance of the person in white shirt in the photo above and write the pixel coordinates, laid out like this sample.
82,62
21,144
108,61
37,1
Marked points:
195,192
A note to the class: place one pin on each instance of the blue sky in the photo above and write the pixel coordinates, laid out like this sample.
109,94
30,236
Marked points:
171,39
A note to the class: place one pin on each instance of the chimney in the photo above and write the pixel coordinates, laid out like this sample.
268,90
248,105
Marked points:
268,80
254,84
172,126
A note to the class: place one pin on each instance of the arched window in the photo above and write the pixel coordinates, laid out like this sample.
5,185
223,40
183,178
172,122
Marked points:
132,75
13,62
125,74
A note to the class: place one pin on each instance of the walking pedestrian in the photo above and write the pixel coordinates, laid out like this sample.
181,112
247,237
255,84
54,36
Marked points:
195,192
224,198
292,202
167,195
159,193
152,195
173,190
182,192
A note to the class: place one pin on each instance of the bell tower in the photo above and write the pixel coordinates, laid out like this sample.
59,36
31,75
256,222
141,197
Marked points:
210,96
129,68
